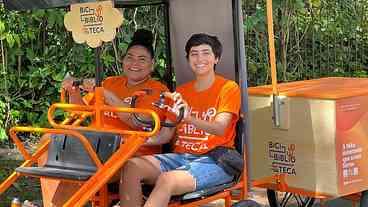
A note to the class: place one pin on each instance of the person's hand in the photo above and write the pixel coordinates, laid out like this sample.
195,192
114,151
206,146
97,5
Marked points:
179,103
67,83
88,84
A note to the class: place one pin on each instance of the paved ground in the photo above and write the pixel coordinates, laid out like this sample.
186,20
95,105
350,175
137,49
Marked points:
260,196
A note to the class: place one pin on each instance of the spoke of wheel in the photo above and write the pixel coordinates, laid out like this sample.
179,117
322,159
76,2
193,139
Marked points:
306,201
286,199
297,198
302,201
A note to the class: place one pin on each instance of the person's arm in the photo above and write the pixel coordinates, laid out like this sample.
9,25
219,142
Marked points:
73,92
164,136
112,100
218,126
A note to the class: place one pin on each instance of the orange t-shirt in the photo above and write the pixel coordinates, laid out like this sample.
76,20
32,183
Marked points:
118,85
222,96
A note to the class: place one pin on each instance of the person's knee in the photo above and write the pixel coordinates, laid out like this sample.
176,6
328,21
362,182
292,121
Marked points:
131,164
131,169
167,181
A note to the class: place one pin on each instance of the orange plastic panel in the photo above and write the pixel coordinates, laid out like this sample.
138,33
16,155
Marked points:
324,88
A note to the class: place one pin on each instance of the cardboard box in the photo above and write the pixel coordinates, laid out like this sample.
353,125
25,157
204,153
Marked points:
322,141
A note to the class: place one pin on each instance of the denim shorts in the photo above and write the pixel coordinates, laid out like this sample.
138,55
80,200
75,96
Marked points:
203,168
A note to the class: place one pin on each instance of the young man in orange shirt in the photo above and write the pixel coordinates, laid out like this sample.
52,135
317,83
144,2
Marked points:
211,105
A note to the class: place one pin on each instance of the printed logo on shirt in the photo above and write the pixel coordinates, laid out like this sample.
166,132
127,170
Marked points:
190,137
192,146
189,131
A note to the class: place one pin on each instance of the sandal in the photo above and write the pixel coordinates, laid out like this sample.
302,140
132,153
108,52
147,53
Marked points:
117,204
28,203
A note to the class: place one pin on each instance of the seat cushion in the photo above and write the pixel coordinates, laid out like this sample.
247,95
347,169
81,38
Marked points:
188,197
205,192
56,172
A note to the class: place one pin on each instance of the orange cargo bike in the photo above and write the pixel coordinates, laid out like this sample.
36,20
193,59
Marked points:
301,141
91,155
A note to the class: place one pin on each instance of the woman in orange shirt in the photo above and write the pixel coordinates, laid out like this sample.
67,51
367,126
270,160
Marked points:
211,104
137,65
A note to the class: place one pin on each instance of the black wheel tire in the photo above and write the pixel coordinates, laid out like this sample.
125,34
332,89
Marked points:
246,203
275,201
364,199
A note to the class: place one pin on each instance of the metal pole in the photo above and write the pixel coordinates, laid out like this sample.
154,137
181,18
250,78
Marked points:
99,70
169,72
271,45
241,71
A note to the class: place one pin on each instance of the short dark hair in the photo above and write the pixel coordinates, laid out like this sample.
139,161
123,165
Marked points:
144,38
202,38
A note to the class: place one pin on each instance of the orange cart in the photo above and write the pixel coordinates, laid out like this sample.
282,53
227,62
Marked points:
307,139
102,157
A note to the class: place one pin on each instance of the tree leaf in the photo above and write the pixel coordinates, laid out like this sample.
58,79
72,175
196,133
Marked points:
10,40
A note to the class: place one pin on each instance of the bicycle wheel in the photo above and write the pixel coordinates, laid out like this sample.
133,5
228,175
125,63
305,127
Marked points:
364,199
246,203
284,199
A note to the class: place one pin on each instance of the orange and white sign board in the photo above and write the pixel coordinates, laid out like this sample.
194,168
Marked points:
352,143
93,23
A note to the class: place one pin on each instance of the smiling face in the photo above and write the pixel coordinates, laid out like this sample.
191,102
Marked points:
137,64
202,60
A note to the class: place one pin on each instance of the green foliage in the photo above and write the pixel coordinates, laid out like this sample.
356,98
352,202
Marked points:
25,188
313,38
2,120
